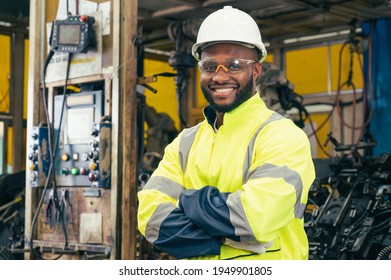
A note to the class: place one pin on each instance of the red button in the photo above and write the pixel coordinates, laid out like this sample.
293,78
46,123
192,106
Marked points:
92,177
83,171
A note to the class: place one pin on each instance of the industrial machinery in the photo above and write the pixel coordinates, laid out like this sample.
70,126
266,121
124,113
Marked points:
69,160
75,177
11,214
348,215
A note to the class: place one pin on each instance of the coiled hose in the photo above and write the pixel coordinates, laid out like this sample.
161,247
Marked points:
384,254
5,254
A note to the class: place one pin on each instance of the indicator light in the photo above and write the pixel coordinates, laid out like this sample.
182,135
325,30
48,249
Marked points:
65,157
75,171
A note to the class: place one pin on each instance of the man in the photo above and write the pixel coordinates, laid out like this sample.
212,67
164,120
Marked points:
234,186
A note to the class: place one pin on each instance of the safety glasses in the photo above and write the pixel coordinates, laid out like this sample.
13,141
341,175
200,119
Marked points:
234,65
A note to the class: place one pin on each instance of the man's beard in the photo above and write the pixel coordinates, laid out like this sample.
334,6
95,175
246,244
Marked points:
241,96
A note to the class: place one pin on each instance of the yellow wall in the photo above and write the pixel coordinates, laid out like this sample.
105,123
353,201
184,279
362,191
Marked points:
316,70
309,70
165,99
318,119
5,62
5,69
269,58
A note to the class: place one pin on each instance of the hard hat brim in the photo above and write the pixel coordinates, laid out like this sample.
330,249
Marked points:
198,48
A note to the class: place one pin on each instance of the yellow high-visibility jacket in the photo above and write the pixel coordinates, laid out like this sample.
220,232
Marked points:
225,194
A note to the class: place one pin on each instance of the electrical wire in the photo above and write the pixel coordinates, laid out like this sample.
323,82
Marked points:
382,225
181,85
35,217
315,131
52,154
56,148
316,135
338,105
122,65
371,97
367,118
339,81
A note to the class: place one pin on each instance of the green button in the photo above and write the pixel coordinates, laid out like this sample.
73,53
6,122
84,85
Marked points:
64,171
75,171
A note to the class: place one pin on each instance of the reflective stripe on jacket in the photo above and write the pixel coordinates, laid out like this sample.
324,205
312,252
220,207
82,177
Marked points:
247,182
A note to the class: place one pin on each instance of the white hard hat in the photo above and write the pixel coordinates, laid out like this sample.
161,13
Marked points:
229,25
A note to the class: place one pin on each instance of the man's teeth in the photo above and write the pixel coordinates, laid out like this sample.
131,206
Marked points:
223,89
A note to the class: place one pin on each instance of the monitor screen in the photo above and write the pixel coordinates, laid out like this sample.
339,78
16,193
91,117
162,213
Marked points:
78,126
69,34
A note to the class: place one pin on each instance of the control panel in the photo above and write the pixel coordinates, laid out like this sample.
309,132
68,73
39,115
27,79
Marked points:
74,34
86,164
39,157
76,199
83,155
82,142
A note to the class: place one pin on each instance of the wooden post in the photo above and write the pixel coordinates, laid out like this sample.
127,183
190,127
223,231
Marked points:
128,121
33,100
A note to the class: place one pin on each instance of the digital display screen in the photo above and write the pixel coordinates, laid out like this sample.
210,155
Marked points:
78,126
69,34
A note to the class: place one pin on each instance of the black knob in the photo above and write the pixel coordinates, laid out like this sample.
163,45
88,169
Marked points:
33,156
93,155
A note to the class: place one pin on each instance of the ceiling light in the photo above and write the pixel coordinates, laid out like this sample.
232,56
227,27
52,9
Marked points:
319,36
4,23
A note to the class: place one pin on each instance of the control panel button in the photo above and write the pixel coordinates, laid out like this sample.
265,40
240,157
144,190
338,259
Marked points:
85,157
94,143
65,157
75,171
32,167
75,156
64,171
83,171
93,155
93,166
83,18
92,177
33,177
33,156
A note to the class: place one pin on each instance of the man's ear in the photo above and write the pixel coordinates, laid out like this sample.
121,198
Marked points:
257,72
